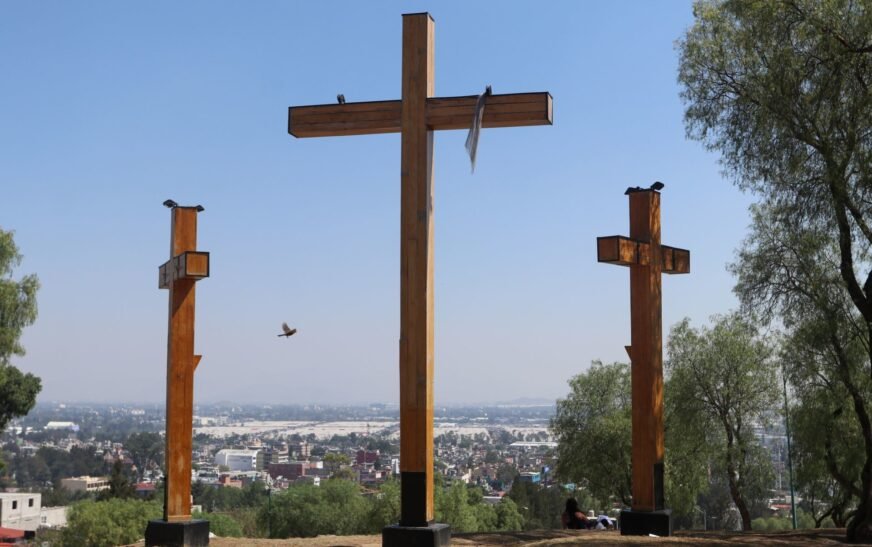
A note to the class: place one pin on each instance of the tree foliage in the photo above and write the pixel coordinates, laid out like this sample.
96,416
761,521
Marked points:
782,91
17,310
224,526
722,382
334,507
110,522
593,426
146,450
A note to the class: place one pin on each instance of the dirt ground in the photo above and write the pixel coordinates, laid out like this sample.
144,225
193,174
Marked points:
566,538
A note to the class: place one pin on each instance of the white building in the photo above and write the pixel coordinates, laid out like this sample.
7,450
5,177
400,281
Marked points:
53,517
85,484
20,511
70,426
239,460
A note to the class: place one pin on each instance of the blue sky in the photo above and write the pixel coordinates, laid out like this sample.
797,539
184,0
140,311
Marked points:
109,108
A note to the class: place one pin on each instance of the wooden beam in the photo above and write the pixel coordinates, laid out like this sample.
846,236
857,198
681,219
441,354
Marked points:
625,251
180,374
509,110
646,363
330,120
416,275
442,113
622,251
675,260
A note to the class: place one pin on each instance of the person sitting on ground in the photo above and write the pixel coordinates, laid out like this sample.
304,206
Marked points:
572,517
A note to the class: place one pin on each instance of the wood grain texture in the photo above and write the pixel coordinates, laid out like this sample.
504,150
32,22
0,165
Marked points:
416,263
181,363
648,260
646,341
442,113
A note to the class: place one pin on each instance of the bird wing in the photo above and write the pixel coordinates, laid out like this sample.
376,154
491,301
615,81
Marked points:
286,329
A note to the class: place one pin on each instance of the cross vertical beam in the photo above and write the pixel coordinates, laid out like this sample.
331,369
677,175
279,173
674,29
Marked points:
646,355
648,260
416,277
180,374
179,274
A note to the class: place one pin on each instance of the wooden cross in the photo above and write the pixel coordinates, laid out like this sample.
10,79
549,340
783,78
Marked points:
647,259
185,267
416,116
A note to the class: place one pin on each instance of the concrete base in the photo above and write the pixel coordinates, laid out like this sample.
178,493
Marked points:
434,535
192,533
642,523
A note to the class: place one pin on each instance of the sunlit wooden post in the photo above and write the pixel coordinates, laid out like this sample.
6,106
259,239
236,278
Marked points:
179,274
647,259
416,116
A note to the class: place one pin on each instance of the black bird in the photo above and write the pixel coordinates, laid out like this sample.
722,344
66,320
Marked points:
633,190
288,331
170,203
340,98
657,186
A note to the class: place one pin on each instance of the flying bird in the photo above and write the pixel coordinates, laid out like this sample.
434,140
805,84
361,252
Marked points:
633,190
170,203
288,331
657,186
340,98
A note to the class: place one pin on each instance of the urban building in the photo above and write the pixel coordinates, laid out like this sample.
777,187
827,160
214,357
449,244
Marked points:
69,426
240,460
85,484
300,450
20,511
53,517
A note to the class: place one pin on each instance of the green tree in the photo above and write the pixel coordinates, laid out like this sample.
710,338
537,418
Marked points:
593,430
452,507
335,507
540,507
782,91
827,441
146,450
221,525
384,506
17,310
108,523
722,377
119,484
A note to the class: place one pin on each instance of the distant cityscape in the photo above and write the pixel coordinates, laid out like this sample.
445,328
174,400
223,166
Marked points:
278,446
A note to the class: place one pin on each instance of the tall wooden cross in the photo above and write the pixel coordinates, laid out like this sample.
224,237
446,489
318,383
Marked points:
416,116
647,259
185,267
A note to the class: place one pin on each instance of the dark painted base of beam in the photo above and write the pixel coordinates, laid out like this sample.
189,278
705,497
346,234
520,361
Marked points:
193,533
642,523
434,535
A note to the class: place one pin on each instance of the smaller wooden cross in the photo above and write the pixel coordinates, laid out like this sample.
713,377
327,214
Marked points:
185,267
647,259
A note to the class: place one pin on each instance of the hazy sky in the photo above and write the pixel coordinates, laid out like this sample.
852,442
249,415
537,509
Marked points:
109,108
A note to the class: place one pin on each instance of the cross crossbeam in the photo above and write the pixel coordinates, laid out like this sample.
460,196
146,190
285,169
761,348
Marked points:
623,251
442,113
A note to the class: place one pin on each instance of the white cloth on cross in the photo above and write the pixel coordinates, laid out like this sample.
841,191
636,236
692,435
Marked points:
475,130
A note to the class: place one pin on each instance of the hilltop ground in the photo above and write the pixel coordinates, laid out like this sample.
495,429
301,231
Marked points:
568,537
